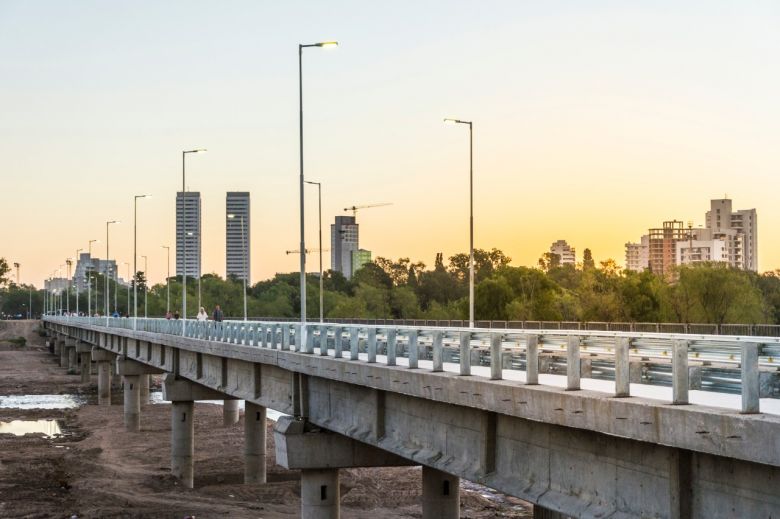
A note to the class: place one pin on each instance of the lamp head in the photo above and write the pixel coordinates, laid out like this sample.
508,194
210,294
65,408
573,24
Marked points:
328,44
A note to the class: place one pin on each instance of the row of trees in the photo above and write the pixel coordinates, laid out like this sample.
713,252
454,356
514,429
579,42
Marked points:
402,289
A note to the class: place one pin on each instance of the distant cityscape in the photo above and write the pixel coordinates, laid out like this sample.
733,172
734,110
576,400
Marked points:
728,236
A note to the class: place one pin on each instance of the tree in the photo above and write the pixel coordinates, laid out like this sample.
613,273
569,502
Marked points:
721,294
549,261
587,260
491,299
4,270
374,275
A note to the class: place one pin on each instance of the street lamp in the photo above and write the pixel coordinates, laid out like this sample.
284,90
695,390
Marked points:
245,273
471,215
146,286
78,251
127,264
107,295
319,205
135,260
324,44
68,262
184,225
168,279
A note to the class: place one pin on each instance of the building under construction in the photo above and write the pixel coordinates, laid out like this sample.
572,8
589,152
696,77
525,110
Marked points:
663,246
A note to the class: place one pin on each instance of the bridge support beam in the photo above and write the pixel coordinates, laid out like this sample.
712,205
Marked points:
230,412
318,454
183,394
133,371
254,443
440,494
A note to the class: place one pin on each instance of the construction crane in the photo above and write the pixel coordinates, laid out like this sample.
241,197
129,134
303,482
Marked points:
355,208
298,251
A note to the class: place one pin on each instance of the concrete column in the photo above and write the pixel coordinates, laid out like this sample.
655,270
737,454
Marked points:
532,359
622,372
440,494
320,494
116,380
132,403
104,383
543,513
230,412
182,441
680,372
57,345
145,383
72,358
86,366
254,443
63,354
750,378
572,363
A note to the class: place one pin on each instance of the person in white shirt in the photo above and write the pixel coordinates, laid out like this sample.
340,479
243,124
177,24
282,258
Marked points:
202,315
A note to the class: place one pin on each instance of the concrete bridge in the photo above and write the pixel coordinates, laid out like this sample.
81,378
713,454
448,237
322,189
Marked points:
478,404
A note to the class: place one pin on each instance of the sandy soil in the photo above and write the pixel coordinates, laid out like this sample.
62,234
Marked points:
98,470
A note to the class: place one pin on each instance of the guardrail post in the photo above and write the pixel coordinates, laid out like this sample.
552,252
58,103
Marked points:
465,353
337,341
307,338
354,338
496,362
391,346
680,372
438,353
371,344
285,345
532,359
414,351
750,378
324,341
622,373
572,363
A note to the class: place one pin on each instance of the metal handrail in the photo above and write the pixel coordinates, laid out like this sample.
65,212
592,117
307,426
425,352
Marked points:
500,349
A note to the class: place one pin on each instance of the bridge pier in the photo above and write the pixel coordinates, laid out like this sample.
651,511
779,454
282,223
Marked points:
133,373
103,359
230,412
84,351
440,494
183,394
57,343
254,443
70,346
145,384
319,454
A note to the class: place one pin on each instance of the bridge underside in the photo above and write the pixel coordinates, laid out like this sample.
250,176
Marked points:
566,468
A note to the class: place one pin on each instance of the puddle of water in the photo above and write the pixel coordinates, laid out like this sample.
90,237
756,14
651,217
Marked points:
40,402
49,428
155,397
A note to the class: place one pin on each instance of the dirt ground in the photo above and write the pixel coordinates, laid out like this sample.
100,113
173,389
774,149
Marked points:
97,470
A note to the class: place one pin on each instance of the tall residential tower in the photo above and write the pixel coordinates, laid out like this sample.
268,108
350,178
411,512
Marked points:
237,247
343,241
188,233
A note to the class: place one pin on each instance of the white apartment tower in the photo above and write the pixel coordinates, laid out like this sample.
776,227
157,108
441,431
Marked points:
638,255
739,229
237,234
343,241
565,252
188,235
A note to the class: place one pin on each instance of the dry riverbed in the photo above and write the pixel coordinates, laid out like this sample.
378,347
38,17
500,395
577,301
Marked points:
90,467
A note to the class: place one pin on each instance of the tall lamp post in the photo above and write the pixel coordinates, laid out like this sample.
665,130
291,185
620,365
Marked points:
78,251
303,240
127,264
89,279
184,226
319,206
168,279
68,262
107,295
245,273
471,215
135,259
146,285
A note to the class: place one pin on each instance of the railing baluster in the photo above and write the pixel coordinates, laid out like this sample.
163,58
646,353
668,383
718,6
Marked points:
572,363
496,360
680,372
337,341
391,346
414,351
354,337
622,371
324,341
465,353
750,379
531,359
285,345
438,353
371,345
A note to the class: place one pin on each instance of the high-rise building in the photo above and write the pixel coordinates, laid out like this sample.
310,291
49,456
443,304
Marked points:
565,252
188,233
662,246
739,229
343,240
359,258
87,264
237,246
638,255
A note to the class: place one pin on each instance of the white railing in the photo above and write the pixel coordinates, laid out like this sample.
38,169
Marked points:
732,363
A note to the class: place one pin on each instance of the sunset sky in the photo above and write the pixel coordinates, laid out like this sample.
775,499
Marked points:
593,122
